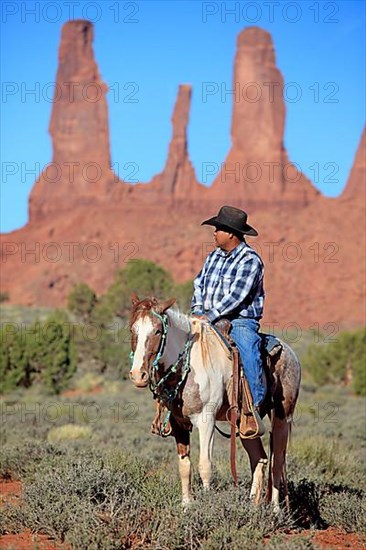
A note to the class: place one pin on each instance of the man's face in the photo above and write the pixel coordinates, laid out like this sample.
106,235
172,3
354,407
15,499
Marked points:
223,239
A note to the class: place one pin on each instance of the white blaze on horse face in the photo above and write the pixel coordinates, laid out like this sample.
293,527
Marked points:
142,329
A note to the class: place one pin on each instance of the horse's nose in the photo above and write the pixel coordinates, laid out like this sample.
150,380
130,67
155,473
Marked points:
140,379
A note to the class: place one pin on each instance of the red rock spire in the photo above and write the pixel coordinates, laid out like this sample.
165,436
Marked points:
257,168
355,189
80,168
178,178
79,122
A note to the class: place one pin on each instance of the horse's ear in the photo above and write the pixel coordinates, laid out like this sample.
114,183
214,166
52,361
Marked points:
134,298
163,306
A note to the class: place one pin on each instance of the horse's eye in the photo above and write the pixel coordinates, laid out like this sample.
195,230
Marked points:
158,331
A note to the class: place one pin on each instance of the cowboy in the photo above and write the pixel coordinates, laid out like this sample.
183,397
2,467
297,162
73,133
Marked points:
230,286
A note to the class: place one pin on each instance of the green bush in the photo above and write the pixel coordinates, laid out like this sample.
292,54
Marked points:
51,352
82,300
15,369
44,352
4,297
141,276
183,293
341,361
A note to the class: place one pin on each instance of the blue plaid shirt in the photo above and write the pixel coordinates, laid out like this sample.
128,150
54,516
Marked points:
230,284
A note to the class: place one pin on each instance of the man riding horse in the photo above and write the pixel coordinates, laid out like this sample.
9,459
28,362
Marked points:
189,367
230,286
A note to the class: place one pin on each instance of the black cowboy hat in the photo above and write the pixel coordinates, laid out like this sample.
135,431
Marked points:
233,219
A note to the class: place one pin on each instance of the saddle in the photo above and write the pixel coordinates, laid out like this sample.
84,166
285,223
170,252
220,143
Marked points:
248,419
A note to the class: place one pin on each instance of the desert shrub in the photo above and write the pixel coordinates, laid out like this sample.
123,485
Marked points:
15,369
326,459
141,276
339,361
82,300
44,352
82,498
88,382
359,369
183,293
222,519
68,432
113,499
4,297
295,543
21,461
344,508
51,352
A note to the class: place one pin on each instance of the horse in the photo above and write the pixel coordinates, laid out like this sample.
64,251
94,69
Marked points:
188,368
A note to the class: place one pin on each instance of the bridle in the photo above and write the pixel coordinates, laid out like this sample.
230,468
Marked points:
160,349
160,387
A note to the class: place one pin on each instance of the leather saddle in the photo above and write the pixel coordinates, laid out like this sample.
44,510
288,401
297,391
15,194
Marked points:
271,347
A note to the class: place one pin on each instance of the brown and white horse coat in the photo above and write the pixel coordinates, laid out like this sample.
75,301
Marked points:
203,398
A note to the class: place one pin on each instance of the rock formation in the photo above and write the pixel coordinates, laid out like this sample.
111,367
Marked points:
257,169
178,178
83,230
355,189
80,167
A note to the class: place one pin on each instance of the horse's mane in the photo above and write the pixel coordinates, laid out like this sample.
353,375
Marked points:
179,319
206,336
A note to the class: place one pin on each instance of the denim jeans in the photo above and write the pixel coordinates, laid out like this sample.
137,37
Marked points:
244,332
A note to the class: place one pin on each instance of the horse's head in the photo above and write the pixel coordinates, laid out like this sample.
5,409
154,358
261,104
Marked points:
148,328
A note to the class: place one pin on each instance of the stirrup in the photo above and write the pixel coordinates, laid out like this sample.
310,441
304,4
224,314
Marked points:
251,425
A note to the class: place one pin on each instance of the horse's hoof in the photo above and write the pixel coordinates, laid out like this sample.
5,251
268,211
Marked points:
186,503
154,429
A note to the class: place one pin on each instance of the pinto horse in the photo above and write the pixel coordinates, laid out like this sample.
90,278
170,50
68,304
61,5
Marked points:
188,368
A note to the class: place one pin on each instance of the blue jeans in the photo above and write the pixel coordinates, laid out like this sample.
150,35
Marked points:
244,332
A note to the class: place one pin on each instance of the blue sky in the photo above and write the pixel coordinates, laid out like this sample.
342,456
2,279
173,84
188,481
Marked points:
150,47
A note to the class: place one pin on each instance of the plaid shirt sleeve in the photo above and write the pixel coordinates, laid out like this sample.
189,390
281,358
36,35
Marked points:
197,300
247,277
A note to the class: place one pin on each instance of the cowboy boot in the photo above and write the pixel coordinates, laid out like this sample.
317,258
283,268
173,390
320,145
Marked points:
251,425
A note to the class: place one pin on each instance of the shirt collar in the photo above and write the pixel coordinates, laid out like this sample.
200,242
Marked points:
234,252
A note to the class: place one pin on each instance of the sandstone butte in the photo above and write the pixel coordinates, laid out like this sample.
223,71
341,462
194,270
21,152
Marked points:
313,246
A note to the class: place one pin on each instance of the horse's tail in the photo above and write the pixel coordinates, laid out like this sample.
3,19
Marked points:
290,424
270,477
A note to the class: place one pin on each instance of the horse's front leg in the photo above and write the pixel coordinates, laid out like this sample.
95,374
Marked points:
184,462
206,428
